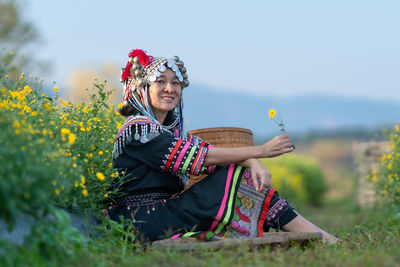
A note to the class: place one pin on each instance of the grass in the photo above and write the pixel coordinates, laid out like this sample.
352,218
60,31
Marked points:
75,143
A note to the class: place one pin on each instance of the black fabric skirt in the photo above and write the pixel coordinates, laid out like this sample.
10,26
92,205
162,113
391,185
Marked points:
222,205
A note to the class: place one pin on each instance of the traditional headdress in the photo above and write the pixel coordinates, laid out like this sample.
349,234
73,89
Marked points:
140,72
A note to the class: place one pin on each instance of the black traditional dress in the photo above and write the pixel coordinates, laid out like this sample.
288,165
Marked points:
157,164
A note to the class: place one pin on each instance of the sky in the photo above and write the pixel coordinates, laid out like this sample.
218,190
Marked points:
281,48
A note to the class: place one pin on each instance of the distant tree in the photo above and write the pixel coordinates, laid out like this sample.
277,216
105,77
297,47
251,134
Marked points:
16,36
14,30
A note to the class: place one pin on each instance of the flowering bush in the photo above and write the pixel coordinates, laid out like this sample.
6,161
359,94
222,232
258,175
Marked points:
297,178
387,176
53,152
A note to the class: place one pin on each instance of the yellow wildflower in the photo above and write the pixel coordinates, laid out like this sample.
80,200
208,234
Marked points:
85,109
83,129
100,176
47,106
106,195
120,105
71,138
57,191
272,113
397,128
34,113
100,152
65,131
56,89
83,180
74,165
84,192
16,124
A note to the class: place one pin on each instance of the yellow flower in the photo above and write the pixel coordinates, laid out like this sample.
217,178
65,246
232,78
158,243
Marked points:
16,124
272,113
57,191
71,138
34,113
56,89
84,192
47,106
119,125
100,152
74,165
85,110
106,195
397,128
120,105
100,176
83,129
65,131
83,180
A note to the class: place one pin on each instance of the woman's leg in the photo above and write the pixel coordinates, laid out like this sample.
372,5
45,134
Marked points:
282,216
300,225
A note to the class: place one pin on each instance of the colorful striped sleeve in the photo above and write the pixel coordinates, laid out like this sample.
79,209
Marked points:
185,158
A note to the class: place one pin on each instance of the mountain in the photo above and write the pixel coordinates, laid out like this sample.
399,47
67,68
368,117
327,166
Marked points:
207,107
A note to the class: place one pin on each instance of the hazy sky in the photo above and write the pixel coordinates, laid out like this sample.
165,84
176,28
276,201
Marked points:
288,48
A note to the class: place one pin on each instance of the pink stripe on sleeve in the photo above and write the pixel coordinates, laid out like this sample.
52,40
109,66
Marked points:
181,155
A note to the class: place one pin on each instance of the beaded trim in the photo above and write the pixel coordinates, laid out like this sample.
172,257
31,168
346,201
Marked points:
144,199
141,128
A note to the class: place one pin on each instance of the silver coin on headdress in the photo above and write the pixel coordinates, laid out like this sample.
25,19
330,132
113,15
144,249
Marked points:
152,78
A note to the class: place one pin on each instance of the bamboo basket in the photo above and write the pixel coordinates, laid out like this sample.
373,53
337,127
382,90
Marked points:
221,137
225,136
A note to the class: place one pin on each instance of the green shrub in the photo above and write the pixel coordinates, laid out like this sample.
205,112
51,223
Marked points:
387,176
53,152
297,178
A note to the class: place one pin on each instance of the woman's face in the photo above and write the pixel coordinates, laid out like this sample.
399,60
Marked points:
164,94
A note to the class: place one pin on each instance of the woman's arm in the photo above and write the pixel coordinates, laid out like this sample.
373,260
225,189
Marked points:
276,146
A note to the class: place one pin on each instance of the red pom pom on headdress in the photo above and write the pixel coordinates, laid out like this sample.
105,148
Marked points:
144,60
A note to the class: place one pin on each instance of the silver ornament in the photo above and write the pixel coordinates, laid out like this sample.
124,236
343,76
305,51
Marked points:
183,70
135,66
138,73
152,78
130,60
136,60
180,63
175,58
140,82
185,83
185,76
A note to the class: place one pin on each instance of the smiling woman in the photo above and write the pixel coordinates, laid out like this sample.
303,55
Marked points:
157,158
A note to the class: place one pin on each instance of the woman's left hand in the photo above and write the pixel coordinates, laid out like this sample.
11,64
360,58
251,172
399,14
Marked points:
261,176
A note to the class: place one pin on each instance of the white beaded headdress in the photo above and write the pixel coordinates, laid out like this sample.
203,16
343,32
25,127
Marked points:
141,71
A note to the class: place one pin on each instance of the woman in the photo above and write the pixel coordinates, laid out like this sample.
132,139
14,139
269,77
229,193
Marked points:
235,200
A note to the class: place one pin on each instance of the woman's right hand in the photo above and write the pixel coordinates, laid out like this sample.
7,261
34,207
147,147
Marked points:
278,145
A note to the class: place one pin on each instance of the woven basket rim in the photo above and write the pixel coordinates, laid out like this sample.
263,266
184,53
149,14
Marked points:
221,129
